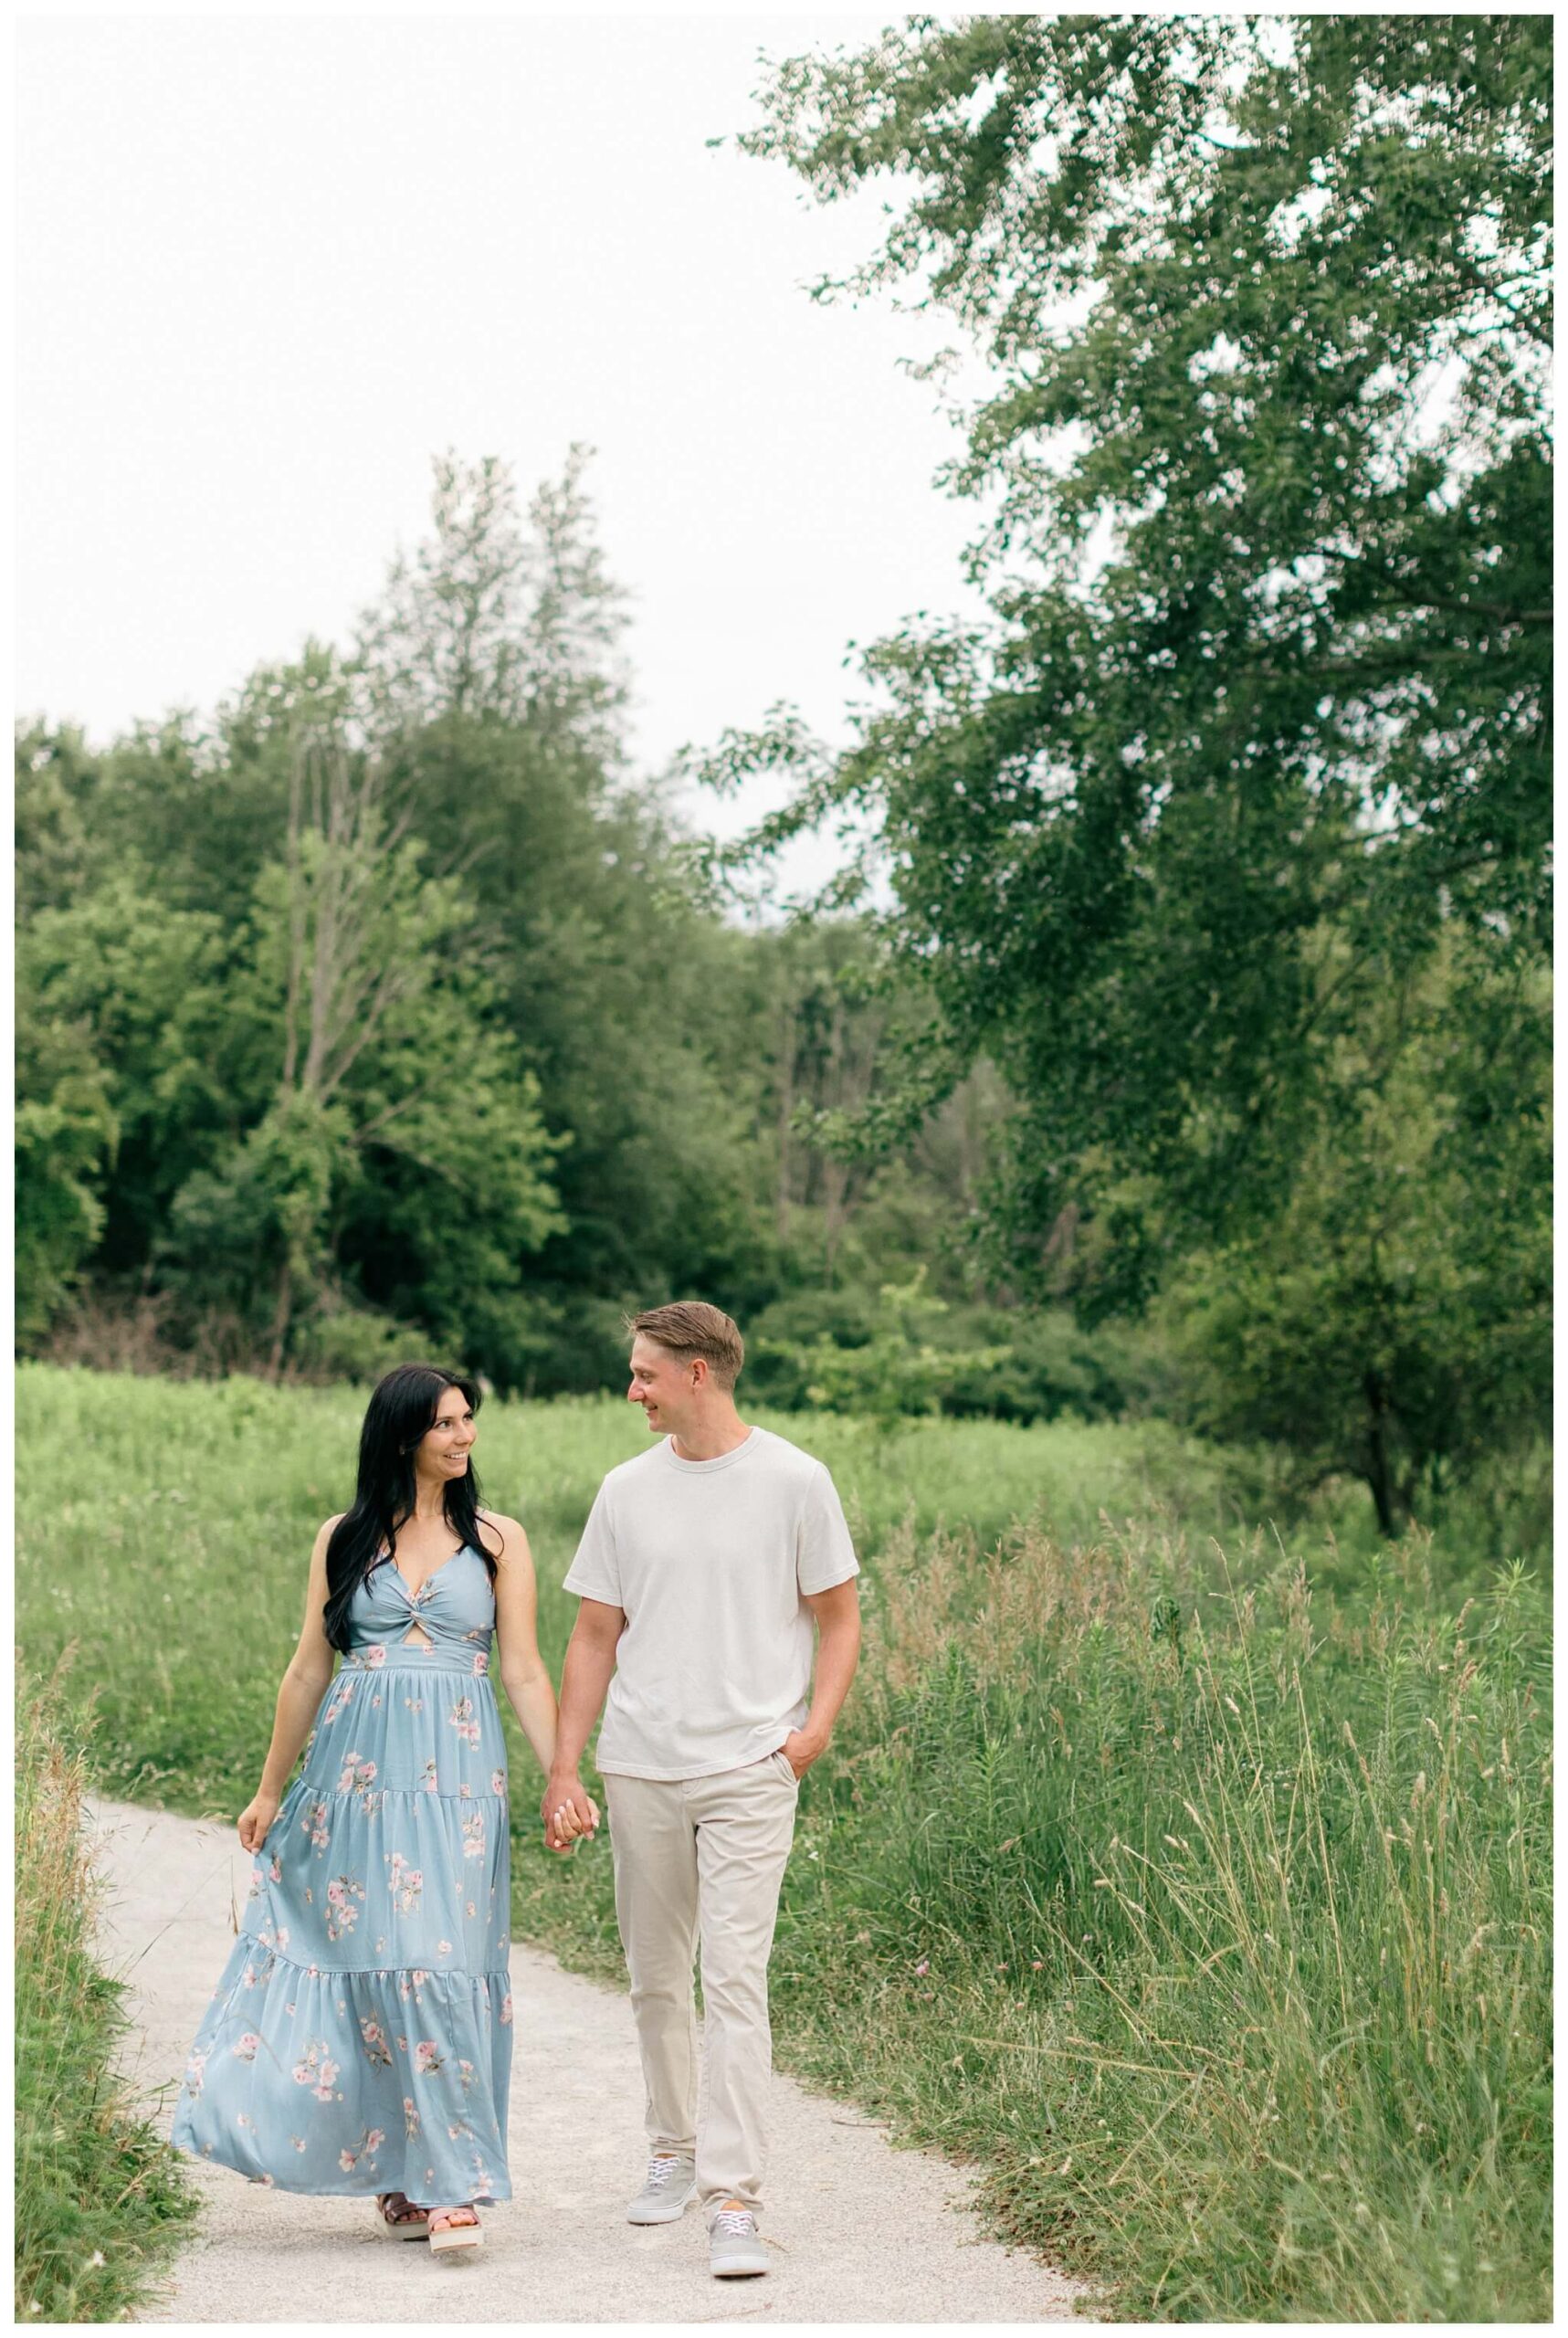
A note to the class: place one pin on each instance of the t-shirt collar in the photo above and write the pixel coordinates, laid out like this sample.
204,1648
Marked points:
748,1444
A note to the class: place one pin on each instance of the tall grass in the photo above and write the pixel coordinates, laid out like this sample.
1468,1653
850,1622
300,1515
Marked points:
1214,1917
99,2196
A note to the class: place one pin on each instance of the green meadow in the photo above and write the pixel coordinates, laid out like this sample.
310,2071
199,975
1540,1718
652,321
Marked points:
1187,1871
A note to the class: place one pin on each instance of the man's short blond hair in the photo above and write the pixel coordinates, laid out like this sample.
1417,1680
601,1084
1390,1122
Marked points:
689,1328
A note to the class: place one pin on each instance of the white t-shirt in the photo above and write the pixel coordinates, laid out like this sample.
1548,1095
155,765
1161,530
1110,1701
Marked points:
709,1561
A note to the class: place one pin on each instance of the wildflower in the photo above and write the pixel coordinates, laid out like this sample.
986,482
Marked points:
924,1965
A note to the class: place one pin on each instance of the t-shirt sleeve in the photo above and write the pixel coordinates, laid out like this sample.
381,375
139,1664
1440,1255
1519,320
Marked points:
823,1554
596,1569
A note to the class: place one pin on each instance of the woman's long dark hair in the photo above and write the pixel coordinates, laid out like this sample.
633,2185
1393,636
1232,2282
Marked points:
401,1408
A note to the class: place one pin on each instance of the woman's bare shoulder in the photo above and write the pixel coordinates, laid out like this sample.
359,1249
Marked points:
514,1541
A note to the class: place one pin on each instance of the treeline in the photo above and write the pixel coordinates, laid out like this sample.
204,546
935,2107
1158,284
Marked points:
381,1010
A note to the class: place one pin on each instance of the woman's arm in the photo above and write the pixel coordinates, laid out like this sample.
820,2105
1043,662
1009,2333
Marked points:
305,1680
584,1682
522,1672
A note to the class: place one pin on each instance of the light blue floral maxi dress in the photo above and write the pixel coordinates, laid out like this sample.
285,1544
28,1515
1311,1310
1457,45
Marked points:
360,2038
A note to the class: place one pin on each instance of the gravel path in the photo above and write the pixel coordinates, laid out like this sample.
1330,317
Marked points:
858,2232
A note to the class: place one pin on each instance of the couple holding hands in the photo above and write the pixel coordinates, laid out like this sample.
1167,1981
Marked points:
360,2038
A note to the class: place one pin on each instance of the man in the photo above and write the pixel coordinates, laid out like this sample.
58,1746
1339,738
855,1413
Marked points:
704,1563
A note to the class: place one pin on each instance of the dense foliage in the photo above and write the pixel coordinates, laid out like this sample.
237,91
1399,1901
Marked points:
1226,839
382,1010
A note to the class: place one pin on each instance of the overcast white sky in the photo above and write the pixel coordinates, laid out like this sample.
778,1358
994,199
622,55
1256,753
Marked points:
267,267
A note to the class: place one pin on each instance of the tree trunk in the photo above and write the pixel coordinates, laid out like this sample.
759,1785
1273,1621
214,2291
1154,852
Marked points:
787,1105
834,1172
1380,1468
280,1317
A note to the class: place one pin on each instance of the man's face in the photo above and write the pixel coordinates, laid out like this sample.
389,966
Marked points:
661,1384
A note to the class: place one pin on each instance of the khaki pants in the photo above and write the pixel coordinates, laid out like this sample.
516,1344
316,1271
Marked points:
703,1858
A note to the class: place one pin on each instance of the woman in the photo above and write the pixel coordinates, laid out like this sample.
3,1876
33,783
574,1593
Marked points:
359,2039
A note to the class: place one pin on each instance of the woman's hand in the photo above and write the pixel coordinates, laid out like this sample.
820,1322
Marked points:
569,1812
256,1819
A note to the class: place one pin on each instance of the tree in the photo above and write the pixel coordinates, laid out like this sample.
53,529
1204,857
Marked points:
496,674
1394,1322
1271,599
1260,719
120,1024
389,1048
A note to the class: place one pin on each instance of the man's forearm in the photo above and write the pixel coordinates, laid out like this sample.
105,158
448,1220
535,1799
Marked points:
837,1653
584,1679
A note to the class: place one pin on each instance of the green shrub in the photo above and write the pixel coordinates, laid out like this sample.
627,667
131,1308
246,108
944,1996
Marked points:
899,1351
355,1344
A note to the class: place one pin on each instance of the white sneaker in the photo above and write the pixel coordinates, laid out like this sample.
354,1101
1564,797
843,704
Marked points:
668,2190
734,2245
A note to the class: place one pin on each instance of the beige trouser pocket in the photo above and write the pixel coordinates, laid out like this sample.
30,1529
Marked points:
699,1862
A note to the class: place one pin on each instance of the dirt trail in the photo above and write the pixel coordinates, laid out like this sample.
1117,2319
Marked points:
860,2232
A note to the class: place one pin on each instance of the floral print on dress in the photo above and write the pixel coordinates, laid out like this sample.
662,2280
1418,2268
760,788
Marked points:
357,1774
375,2045
461,1718
370,2142
341,1913
474,1835
342,1698
407,1885
317,2071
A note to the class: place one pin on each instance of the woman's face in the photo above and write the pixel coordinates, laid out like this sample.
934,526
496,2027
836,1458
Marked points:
443,1450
